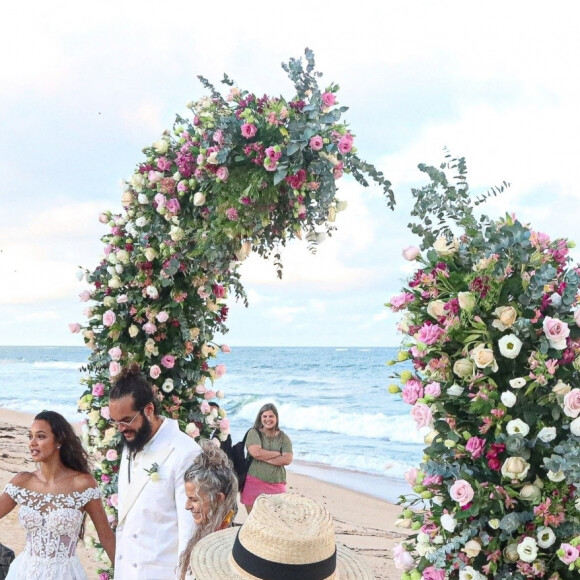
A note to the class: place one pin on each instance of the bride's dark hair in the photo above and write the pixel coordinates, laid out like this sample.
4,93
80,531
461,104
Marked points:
212,473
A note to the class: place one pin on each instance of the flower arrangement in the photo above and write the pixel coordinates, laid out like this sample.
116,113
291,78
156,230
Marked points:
153,472
491,327
240,173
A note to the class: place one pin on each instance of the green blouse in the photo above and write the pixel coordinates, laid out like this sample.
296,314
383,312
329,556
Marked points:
261,469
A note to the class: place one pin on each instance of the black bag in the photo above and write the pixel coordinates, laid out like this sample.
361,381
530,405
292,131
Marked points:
241,460
6,557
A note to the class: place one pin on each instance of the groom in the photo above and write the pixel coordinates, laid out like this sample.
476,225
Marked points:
154,526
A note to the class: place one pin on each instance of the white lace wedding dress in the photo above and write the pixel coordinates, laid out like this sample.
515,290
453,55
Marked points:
52,523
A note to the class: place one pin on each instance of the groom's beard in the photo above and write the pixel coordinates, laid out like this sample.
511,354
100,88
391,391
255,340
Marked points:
142,436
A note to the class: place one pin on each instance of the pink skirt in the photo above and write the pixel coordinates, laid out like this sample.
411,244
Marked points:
254,487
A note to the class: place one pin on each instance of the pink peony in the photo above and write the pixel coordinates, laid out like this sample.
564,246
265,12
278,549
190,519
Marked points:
114,499
328,99
109,318
556,332
111,455
316,143
155,372
74,327
98,390
475,446
422,415
105,478
168,361
248,130
461,492
220,370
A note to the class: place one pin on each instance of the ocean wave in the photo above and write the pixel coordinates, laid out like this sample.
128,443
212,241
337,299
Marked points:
65,365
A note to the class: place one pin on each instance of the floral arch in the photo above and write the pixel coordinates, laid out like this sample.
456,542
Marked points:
240,174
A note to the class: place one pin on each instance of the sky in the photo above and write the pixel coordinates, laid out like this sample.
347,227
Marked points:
86,85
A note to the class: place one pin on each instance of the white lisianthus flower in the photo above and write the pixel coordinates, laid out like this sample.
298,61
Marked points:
152,292
517,383
142,199
547,434
517,426
137,181
510,345
444,248
575,427
141,222
508,399
167,386
528,549
198,199
556,476
161,146
448,522
469,573
466,300
494,524
455,390
577,504
546,536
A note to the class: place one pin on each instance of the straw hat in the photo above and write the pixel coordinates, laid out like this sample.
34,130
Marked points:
286,536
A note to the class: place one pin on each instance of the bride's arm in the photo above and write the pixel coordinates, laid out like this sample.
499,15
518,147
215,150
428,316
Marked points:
106,535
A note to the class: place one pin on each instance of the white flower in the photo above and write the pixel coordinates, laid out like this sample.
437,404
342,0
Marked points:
448,522
445,249
161,146
152,292
167,386
575,427
517,383
517,426
198,199
508,399
142,199
528,549
547,434
472,548
510,345
454,390
141,222
469,573
556,476
546,536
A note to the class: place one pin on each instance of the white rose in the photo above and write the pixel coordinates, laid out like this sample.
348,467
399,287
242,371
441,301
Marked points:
114,282
506,316
466,300
198,199
444,248
483,357
137,181
575,427
510,345
517,426
517,383
150,254
436,309
561,388
448,522
176,233
152,292
141,222
547,434
472,548
133,331
454,390
508,399
556,476
161,146
528,549
546,536
577,504
142,199
515,468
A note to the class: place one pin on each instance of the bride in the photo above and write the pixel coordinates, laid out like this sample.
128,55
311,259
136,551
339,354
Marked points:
54,500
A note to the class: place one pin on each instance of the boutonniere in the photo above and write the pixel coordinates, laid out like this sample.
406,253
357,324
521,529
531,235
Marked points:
153,472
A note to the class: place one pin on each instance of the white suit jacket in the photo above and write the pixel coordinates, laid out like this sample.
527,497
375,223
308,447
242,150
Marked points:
154,526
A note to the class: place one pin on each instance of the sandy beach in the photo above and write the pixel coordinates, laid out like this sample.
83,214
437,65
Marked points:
363,522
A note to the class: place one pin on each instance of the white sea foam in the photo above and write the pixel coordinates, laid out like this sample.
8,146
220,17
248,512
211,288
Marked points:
64,365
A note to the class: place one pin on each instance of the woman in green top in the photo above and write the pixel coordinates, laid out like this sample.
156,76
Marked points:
271,450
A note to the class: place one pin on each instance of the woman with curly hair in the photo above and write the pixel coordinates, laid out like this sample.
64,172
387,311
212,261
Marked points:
54,501
211,487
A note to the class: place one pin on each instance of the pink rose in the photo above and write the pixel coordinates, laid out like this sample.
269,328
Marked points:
85,296
149,328
109,318
168,361
224,424
412,391
114,499
226,348
411,476
328,99
162,316
403,559
173,205
461,492
220,370
222,173
159,200
556,332
111,455
248,130
429,333
568,553
422,415
200,389
316,143
433,389
106,413
114,368
154,372
411,253
98,390
432,573
209,395
577,317
115,353
74,327
572,403
475,446
205,408
219,291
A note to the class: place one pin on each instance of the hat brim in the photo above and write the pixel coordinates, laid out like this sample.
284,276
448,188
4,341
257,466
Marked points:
211,560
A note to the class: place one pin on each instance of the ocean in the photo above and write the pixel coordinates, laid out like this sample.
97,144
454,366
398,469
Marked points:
333,403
